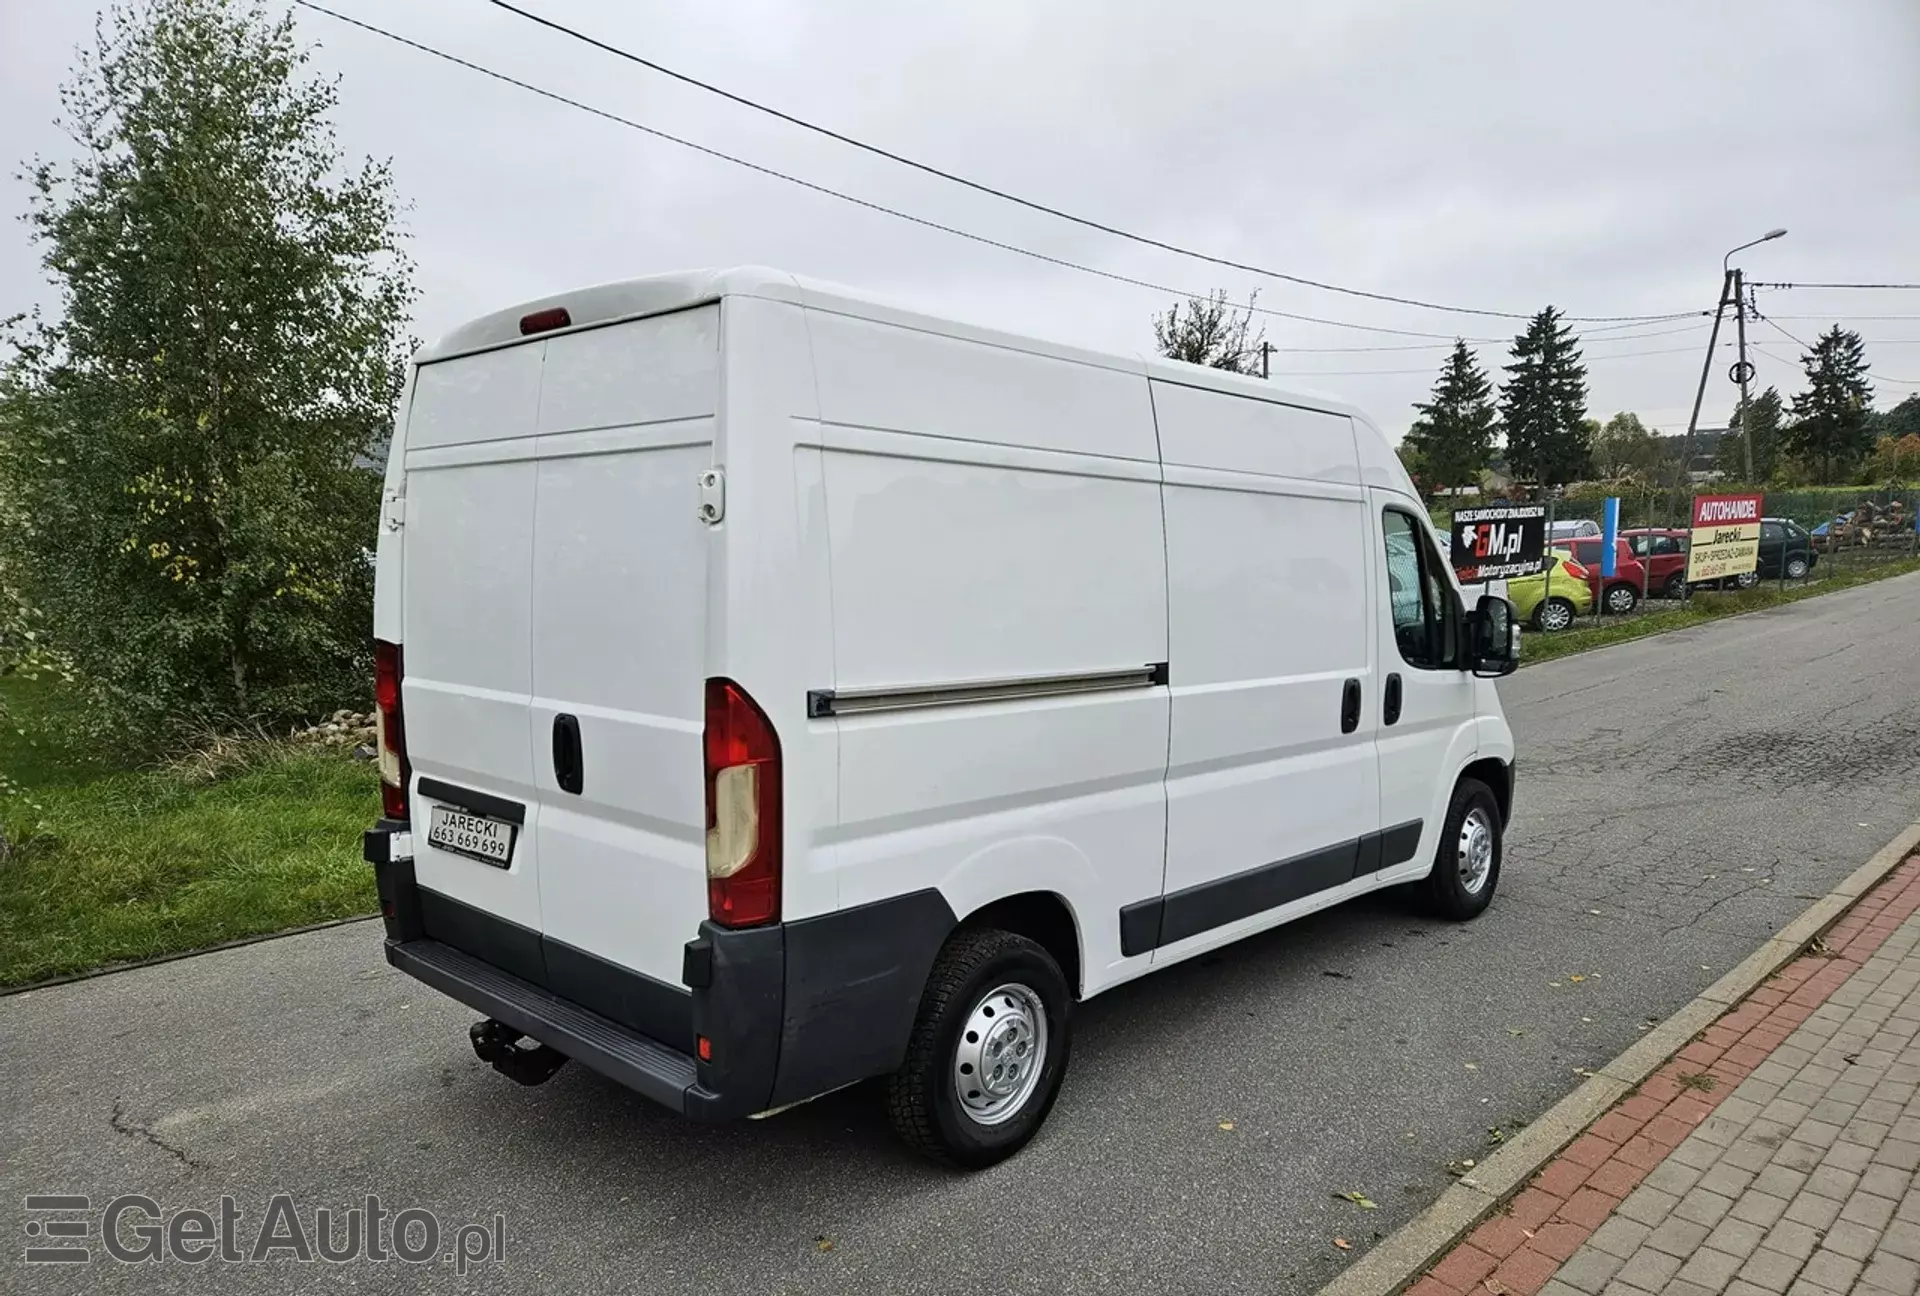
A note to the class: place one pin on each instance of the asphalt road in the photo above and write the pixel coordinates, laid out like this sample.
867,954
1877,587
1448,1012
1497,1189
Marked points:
1680,798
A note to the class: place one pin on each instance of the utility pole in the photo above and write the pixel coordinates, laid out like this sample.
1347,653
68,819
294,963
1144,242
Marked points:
1744,369
1266,351
1706,368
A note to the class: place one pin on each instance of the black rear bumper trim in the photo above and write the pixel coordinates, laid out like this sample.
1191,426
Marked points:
644,1065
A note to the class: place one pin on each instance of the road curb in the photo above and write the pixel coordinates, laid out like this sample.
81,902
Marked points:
1392,1266
135,965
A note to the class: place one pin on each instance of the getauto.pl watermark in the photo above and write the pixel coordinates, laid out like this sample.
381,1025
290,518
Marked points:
69,1228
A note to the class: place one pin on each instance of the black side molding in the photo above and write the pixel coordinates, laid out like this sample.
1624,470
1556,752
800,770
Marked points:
1152,924
480,803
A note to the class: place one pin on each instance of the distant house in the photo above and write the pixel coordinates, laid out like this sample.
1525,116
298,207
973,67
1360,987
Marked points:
1703,464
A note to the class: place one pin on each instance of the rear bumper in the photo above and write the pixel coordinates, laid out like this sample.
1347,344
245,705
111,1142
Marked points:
789,1011
646,1066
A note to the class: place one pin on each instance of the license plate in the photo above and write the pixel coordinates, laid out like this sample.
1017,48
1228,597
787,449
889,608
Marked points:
488,840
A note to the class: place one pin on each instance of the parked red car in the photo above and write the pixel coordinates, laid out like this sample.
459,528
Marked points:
1621,592
1664,552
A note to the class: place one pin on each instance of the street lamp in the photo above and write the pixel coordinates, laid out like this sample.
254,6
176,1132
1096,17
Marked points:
1768,237
1732,288
1742,369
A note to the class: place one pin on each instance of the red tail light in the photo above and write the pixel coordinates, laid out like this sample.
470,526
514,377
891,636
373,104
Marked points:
743,809
1576,571
392,732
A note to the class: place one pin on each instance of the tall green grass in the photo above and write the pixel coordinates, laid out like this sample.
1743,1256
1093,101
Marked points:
107,862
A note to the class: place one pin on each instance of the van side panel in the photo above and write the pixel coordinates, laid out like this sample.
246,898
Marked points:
1269,801
467,629
619,563
973,538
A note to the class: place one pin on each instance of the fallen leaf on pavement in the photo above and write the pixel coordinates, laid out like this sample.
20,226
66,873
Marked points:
1227,1125
1343,1244
1515,1031
1359,1199
1473,1066
1577,977
1495,1137
822,1242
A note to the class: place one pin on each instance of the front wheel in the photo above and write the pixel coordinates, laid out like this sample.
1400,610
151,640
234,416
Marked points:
988,1051
1796,568
1622,598
1467,868
1555,615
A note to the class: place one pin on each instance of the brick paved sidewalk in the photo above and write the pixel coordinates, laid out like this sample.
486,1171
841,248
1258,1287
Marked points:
1777,1153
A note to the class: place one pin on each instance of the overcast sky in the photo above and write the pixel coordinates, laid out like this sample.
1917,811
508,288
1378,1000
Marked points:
1504,155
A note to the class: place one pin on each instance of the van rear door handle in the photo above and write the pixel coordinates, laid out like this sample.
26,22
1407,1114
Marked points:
566,753
1350,706
1390,706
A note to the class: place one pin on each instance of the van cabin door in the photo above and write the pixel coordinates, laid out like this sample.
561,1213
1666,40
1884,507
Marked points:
1424,697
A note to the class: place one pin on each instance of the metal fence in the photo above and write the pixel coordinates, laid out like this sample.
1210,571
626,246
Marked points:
1850,532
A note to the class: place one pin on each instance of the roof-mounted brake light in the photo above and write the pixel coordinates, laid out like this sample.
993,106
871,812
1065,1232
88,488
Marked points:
554,317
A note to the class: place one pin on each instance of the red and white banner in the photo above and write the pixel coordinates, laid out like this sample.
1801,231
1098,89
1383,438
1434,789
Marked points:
1726,536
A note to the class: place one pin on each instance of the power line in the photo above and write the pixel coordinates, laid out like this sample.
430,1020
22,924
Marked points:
1831,318
1382,373
1029,204
982,239
1588,337
1908,287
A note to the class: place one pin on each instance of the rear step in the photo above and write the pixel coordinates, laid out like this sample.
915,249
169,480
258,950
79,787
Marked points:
519,1008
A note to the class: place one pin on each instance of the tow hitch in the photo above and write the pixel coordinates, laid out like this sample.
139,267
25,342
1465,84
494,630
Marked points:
498,1045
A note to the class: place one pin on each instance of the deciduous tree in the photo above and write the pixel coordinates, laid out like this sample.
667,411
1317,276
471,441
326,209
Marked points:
184,461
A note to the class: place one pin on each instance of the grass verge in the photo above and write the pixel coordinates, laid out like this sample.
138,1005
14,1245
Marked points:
106,864
1702,608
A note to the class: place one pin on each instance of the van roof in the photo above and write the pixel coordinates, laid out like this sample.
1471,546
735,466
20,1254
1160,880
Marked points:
658,294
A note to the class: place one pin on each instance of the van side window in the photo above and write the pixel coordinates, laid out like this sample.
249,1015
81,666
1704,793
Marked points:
1426,617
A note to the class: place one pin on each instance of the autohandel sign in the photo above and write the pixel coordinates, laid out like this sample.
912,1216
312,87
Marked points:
1726,536
1499,543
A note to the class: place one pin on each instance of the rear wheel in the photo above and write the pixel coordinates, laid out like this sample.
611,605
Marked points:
1622,598
1676,586
1467,869
988,1050
1554,615
1746,580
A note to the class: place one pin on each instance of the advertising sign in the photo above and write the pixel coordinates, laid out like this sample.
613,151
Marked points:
1498,543
1726,536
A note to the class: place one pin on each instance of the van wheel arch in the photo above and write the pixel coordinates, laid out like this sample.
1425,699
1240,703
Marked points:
1498,776
1043,917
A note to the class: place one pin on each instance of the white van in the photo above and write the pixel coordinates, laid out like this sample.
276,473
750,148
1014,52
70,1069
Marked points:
780,689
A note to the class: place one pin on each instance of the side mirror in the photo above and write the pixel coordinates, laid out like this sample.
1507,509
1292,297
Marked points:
1493,638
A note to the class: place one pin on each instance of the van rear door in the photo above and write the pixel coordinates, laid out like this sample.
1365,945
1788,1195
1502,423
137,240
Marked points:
467,633
619,636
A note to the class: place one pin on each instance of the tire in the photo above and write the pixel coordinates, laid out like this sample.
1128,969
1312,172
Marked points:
1454,891
1746,580
1622,599
1554,615
1797,567
924,1095
1676,587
